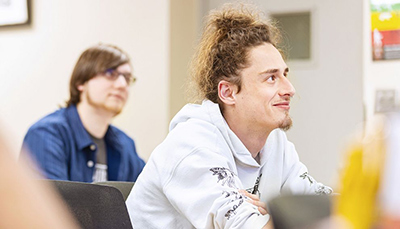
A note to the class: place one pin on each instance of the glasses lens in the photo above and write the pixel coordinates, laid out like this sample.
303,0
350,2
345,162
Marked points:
113,74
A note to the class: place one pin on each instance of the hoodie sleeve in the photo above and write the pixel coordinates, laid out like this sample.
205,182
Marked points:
205,189
298,181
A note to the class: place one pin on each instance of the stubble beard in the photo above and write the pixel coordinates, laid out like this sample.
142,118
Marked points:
286,124
114,109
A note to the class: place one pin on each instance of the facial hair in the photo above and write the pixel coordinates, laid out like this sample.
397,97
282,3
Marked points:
286,124
103,105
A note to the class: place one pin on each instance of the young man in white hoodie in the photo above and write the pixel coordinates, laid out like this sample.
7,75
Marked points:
223,160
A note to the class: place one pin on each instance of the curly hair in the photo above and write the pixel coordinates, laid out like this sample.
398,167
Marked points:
223,50
93,61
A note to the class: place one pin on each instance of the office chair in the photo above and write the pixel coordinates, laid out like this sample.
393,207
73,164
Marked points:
94,206
299,211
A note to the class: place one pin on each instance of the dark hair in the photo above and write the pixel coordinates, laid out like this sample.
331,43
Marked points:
228,36
93,61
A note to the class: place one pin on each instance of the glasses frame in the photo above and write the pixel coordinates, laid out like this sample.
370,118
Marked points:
112,74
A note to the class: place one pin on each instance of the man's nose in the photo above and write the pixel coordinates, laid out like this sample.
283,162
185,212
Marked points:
120,81
287,89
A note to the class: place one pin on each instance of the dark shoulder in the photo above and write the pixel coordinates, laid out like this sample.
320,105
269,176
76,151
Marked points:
57,119
118,133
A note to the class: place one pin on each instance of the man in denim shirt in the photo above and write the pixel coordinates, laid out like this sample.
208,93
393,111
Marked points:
78,143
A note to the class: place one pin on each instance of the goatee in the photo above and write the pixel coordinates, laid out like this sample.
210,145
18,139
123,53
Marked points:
286,124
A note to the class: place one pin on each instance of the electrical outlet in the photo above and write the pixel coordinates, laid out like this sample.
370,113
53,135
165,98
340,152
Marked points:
386,100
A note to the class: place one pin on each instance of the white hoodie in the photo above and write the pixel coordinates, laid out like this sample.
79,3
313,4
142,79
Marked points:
192,178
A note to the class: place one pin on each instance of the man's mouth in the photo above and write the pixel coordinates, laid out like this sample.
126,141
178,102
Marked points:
118,96
283,105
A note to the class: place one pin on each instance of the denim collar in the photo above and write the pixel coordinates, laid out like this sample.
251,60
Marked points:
82,137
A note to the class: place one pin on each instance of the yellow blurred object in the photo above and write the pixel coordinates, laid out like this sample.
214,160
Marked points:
391,21
360,180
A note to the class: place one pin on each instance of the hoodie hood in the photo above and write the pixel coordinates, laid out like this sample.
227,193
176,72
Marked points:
211,113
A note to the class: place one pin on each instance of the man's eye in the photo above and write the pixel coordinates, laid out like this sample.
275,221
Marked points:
109,72
271,79
114,74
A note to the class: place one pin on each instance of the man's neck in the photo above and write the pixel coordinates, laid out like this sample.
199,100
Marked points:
254,142
253,138
95,120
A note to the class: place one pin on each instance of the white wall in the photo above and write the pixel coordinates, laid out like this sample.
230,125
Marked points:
183,17
328,106
36,62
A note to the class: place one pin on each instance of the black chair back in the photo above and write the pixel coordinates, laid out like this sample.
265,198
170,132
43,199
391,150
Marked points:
299,211
94,206
124,187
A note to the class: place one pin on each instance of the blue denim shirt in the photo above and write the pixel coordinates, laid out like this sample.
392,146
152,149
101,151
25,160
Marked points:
64,150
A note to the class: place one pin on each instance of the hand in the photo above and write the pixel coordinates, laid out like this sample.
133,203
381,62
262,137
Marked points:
269,225
255,200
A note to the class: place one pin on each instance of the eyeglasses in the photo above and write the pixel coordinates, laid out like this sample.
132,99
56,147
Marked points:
113,74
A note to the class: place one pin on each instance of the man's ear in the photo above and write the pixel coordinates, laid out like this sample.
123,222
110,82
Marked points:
80,87
227,92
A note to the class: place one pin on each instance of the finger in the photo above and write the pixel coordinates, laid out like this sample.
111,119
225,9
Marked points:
255,200
259,204
253,196
263,211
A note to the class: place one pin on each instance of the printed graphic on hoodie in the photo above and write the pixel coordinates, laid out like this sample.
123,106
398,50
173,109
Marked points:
320,189
227,177
254,190
234,196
